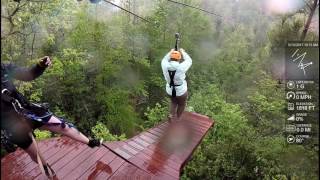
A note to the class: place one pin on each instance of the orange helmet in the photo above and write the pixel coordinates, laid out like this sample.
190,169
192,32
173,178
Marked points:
175,55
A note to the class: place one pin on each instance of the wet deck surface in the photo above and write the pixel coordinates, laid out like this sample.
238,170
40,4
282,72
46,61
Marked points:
157,153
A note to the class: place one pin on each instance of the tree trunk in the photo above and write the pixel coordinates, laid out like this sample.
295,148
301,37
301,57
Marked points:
307,25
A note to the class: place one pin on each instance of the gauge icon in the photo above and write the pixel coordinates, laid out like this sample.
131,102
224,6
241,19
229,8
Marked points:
291,95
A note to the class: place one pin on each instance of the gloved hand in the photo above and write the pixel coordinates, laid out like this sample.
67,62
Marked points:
45,61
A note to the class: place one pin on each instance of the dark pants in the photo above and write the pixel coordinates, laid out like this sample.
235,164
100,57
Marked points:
178,105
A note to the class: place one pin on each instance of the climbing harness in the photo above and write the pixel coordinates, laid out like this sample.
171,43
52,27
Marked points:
30,113
172,85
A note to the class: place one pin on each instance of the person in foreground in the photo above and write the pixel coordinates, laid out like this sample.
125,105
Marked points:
174,67
19,117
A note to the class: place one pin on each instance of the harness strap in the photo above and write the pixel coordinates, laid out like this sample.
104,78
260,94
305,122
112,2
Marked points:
5,96
171,75
44,171
38,155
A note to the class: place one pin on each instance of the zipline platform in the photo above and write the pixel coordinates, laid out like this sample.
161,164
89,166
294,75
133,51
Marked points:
157,153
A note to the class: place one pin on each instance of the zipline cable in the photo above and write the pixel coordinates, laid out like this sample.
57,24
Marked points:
196,8
127,11
193,7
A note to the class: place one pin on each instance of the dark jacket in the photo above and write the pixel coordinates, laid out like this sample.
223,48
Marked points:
9,72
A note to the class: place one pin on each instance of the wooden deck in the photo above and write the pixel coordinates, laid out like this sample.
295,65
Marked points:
158,153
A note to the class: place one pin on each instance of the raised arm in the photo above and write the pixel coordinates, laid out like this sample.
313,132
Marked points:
164,65
186,64
29,74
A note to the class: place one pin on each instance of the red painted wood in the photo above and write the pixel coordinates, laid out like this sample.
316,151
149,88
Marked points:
159,130
82,167
144,156
155,133
157,165
135,145
141,142
108,171
133,174
100,165
47,154
126,171
59,166
32,169
19,163
147,139
70,148
129,149
162,157
150,135
83,157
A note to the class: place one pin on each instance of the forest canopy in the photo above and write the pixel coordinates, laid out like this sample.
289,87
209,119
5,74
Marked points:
106,76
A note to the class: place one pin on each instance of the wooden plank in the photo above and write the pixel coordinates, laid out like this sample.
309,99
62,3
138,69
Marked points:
153,164
136,175
163,127
203,122
58,156
141,142
171,155
33,169
140,174
147,139
163,176
129,149
149,160
113,166
198,124
112,145
29,169
20,162
156,133
63,152
155,168
163,157
19,153
130,144
85,165
122,153
149,152
163,132
82,157
135,145
60,165
198,116
124,172
100,165
150,135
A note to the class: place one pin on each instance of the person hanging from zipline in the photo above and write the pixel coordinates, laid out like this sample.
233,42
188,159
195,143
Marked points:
174,67
19,117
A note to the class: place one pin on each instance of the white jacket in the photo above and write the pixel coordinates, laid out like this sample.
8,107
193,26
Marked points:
180,75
